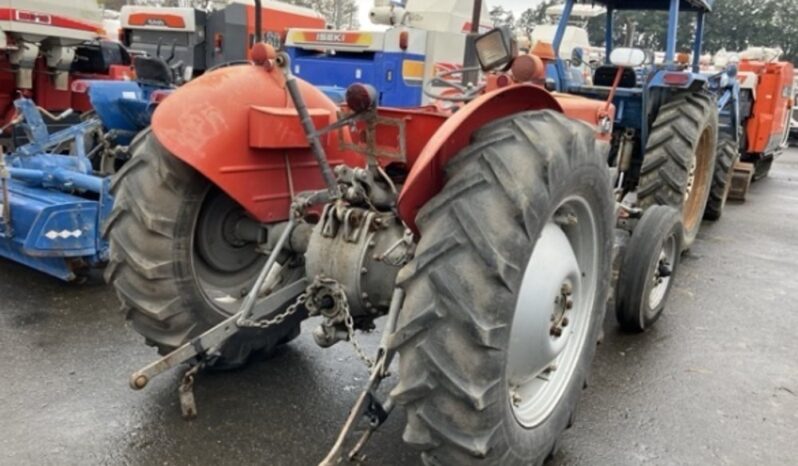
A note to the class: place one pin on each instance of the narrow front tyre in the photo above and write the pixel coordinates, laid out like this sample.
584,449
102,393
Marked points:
650,262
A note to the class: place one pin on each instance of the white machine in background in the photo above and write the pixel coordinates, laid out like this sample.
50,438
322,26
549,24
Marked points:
425,37
202,34
52,28
575,34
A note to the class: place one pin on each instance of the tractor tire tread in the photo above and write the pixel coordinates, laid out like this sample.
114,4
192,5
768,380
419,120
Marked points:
450,347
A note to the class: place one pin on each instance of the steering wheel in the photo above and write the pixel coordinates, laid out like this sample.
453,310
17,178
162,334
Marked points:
441,86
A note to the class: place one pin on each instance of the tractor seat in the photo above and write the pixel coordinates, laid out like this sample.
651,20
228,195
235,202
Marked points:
153,70
605,76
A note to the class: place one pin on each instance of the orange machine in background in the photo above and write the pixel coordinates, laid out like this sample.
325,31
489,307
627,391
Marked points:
768,123
766,103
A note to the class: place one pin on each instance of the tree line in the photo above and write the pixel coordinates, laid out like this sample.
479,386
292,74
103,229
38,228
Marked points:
733,25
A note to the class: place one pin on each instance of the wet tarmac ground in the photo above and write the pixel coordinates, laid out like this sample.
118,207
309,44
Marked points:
715,382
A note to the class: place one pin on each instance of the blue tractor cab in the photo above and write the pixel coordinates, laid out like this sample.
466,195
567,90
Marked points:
639,88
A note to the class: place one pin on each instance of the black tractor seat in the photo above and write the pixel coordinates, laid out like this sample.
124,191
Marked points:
153,70
605,76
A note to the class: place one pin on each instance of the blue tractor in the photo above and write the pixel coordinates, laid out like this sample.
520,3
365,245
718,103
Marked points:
55,196
53,201
674,144
674,126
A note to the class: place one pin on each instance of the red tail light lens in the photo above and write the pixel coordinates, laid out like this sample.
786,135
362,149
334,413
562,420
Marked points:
361,97
676,79
158,96
79,87
404,39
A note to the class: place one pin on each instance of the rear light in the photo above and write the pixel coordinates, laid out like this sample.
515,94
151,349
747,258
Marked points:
676,79
218,40
361,97
79,87
404,38
158,96
503,80
32,17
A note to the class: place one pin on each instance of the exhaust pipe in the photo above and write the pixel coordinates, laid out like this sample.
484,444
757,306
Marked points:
258,22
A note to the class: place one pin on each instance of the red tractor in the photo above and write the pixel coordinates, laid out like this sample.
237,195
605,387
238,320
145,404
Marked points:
484,237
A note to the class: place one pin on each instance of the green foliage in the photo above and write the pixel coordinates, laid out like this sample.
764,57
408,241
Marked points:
501,17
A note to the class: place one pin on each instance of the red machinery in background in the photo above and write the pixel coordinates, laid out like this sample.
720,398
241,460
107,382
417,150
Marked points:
47,45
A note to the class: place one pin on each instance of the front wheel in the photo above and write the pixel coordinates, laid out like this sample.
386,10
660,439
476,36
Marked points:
177,258
506,294
650,262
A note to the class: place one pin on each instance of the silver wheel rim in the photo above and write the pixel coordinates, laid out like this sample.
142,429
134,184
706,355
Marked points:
659,284
553,312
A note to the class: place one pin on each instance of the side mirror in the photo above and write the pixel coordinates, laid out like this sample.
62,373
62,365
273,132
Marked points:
496,49
628,57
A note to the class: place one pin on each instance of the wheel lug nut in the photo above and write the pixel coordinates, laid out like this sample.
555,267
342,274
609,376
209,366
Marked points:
564,322
569,303
555,331
566,289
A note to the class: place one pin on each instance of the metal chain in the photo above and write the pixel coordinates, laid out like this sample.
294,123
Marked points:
350,331
276,320
302,299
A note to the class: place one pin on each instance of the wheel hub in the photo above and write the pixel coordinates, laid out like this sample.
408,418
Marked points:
690,179
217,241
562,304
660,280
553,312
224,263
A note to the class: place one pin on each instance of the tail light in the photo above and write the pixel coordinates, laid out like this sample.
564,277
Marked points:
361,97
404,39
158,96
676,79
218,40
79,86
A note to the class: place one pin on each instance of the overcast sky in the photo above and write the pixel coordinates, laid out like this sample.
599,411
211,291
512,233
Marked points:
516,5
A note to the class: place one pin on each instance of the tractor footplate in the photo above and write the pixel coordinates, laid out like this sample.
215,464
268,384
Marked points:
741,181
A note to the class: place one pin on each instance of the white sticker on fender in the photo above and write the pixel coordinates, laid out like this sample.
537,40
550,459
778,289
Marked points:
63,234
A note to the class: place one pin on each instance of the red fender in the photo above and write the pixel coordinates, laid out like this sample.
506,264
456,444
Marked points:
232,126
426,175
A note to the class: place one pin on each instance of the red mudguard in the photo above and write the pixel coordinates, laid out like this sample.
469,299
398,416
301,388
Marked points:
231,125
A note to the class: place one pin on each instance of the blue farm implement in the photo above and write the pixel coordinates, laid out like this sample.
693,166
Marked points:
53,204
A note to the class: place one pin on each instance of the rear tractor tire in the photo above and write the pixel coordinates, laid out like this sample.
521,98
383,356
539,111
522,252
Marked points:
650,262
173,263
506,294
728,155
679,160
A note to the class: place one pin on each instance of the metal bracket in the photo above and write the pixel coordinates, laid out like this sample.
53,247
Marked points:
214,337
367,405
